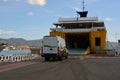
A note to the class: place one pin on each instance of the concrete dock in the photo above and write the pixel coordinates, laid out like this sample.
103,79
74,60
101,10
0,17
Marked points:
74,68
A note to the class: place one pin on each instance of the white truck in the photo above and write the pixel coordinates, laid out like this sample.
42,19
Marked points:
53,47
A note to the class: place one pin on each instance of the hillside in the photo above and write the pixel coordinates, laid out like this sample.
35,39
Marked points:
21,41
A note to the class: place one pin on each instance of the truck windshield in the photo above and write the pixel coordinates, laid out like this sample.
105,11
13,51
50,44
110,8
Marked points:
50,42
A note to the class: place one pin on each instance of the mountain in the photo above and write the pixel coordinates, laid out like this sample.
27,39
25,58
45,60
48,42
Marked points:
21,41
35,42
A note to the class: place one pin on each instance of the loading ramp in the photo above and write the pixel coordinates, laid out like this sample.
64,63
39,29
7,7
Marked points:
76,51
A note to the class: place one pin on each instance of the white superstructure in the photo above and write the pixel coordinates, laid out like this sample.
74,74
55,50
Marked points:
82,24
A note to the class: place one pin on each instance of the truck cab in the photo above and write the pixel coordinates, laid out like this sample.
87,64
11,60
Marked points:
53,47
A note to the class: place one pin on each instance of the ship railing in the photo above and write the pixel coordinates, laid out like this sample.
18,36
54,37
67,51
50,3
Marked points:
98,28
71,30
78,30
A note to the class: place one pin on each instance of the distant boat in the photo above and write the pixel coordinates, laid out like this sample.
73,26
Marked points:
2,46
5,49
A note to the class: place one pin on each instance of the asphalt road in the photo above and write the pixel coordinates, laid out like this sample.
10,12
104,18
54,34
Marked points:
71,69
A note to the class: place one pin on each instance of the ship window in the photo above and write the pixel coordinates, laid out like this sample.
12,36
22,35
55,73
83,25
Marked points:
97,41
89,25
98,24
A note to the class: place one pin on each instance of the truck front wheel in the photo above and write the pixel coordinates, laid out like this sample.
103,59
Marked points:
66,56
60,58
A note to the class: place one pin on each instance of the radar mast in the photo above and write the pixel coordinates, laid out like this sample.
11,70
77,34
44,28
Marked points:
83,5
83,13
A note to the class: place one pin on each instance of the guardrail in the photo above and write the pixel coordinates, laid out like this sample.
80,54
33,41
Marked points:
18,57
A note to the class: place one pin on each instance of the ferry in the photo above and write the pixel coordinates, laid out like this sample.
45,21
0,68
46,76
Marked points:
81,32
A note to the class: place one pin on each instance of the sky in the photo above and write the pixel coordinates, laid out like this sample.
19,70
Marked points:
32,19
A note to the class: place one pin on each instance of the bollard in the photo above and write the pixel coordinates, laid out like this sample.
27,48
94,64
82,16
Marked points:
10,59
13,59
32,56
6,59
23,57
17,58
2,58
27,57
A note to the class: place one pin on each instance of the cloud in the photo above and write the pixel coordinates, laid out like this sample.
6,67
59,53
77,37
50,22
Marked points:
108,19
30,13
6,32
37,2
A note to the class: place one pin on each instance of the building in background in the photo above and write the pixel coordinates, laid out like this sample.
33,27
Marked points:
23,47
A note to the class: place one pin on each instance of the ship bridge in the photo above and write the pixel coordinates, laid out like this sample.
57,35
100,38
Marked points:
69,25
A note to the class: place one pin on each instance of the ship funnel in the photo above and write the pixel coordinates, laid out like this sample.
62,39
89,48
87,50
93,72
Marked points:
83,14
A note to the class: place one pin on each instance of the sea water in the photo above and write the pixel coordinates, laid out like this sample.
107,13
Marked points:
10,52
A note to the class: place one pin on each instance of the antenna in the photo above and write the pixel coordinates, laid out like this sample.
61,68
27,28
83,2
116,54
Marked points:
83,5
83,13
